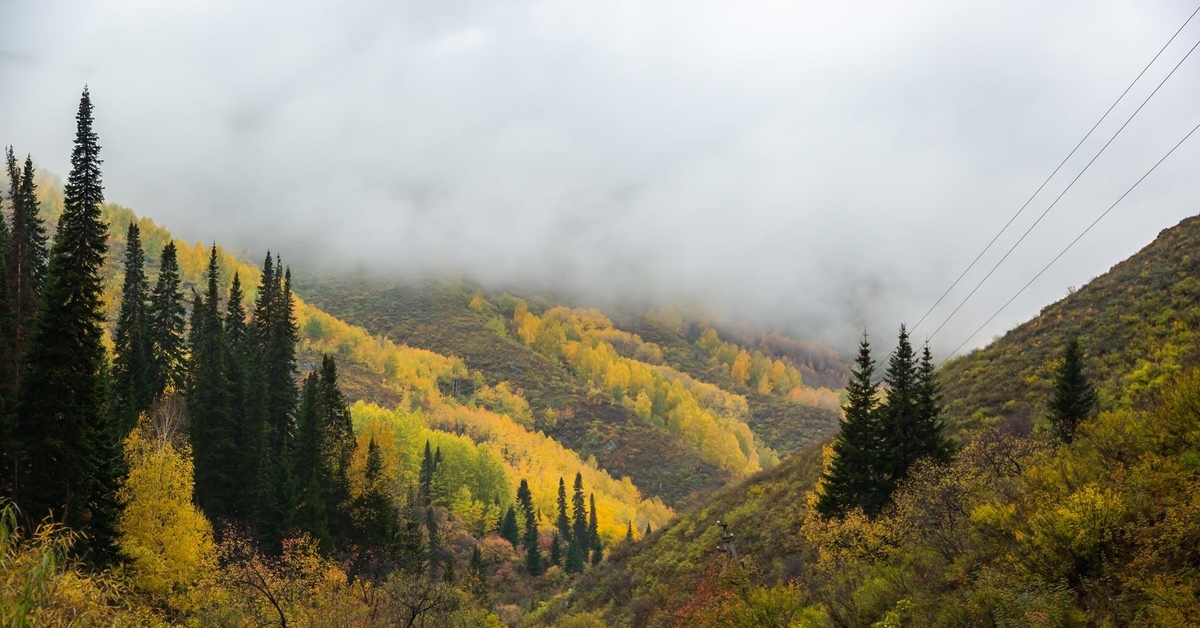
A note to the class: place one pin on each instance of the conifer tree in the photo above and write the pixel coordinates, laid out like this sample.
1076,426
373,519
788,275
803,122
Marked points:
214,435
579,528
853,477
629,531
477,577
508,527
337,445
898,416
27,261
533,553
435,541
67,433
374,514
930,428
425,476
133,369
314,477
594,531
7,368
564,523
167,323
238,352
648,530
556,551
1074,398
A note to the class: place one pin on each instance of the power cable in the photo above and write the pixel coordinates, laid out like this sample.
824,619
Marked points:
1064,251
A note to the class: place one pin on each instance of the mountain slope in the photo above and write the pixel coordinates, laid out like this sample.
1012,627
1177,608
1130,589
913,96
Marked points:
1135,323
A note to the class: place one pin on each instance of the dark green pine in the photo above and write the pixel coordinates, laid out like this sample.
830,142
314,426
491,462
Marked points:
564,522
214,433
7,369
425,476
852,479
533,553
629,531
898,415
376,523
594,531
556,551
238,352
133,369
508,527
68,436
930,427
26,262
338,445
167,324
579,529
1074,399
312,470
435,541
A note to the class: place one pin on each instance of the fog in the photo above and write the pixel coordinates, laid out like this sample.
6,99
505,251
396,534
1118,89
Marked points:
817,167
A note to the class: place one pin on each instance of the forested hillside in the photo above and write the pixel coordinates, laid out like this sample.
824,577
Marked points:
592,410
1031,522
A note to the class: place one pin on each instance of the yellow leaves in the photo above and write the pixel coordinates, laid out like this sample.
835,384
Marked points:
167,538
1063,534
741,368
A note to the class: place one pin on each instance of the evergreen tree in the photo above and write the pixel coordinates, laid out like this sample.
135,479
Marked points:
214,435
648,530
629,531
375,516
133,369
7,368
853,477
898,416
564,523
508,527
930,429
435,541
338,443
72,448
238,352
594,531
477,578
556,552
313,471
167,323
533,553
410,542
579,529
1074,398
26,262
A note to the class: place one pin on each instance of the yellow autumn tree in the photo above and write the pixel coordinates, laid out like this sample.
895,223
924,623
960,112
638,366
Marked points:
741,368
166,537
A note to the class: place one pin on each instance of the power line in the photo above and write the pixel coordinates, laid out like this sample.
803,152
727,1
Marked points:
1077,238
1060,165
1063,193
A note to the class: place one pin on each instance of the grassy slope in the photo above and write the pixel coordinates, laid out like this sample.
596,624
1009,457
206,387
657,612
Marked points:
437,317
1135,323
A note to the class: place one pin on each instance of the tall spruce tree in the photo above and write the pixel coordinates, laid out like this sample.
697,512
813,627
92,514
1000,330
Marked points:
375,515
238,352
215,446
581,544
133,368
594,531
930,428
339,443
508,527
533,552
425,476
1074,398
314,472
854,475
899,414
435,541
71,445
167,324
564,522
26,260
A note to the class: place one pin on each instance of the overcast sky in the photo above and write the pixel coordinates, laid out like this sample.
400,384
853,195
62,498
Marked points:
817,166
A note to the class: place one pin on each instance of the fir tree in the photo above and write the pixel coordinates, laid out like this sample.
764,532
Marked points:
27,261
214,435
579,526
133,369
238,352
898,417
435,541
72,448
556,551
629,531
853,477
1074,398
594,531
313,470
508,527
648,530
564,523
337,445
477,582
374,514
533,553
7,368
930,429
167,323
